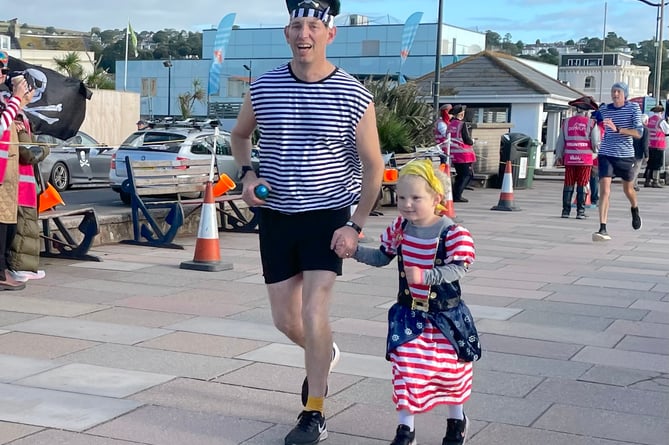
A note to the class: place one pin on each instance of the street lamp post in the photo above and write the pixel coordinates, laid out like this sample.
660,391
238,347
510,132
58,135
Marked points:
660,51
249,68
168,64
437,63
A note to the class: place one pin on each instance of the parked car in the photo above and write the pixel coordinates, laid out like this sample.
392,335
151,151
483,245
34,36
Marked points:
79,160
172,143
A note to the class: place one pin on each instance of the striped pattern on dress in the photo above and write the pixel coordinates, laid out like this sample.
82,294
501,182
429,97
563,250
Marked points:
427,373
308,149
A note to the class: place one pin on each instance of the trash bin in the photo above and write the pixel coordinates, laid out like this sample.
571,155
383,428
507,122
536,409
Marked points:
532,152
515,147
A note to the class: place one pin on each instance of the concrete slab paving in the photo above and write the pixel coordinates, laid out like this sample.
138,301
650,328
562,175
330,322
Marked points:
40,346
57,409
168,426
500,434
57,437
528,346
155,360
604,424
595,395
95,380
9,432
44,306
15,367
574,335
616,357
88,330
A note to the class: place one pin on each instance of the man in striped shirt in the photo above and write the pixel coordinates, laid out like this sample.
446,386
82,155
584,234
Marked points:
319,155
622,123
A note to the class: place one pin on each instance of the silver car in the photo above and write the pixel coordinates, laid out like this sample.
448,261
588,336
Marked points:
170,143
79,160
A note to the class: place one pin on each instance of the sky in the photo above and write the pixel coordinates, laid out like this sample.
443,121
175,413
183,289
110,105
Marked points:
526,20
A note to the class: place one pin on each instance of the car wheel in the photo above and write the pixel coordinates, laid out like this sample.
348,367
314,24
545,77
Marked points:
60,177
125,198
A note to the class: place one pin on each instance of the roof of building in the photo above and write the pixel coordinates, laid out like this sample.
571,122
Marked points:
493,73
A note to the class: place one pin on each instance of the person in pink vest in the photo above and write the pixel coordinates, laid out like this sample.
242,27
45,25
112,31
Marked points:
658,129
441,127
9,169
577,144
462,152
24,252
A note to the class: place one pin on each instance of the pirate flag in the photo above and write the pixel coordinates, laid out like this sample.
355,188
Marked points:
59,105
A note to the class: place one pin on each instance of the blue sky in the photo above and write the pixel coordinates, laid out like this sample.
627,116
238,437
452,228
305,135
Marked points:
526,20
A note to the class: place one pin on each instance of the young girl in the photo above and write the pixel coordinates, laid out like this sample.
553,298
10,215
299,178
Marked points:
432,340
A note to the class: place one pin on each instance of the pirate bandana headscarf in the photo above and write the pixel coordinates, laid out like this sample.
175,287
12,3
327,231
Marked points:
324,10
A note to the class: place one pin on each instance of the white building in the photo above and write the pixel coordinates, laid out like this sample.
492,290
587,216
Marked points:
594,73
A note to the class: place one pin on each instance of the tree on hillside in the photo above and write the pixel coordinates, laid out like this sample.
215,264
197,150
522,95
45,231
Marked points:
493,40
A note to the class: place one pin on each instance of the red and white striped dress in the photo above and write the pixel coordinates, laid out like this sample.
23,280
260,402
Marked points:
426,370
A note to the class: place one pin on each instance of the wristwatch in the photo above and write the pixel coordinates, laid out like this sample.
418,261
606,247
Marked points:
245,170
354,226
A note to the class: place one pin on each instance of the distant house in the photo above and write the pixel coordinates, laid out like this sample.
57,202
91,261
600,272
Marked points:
594,73
499,88
36,46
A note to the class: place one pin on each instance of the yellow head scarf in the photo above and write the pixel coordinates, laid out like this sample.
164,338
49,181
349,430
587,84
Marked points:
425,170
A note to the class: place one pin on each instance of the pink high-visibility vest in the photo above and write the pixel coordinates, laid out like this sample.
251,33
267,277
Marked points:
656,137
577,145
461,153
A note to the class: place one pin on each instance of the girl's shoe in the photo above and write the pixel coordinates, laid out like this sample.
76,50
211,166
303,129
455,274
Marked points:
404,436
456,431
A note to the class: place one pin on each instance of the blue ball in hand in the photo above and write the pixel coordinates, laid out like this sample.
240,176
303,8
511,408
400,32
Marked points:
261,191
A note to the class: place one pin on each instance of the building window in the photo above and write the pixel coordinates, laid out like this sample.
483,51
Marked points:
589,82
594,62
370,48
489,115
5,42
574,62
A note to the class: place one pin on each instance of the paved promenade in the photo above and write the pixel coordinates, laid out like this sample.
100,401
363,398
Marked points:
135,350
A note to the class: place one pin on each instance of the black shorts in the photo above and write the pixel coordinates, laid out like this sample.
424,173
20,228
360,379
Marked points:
293,243
612,167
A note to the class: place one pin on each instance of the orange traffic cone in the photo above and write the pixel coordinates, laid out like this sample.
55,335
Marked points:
49,198
506,195
207,250
450,208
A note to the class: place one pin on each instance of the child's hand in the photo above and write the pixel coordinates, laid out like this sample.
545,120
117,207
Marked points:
414,274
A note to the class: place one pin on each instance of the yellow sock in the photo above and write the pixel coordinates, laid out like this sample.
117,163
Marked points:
315,404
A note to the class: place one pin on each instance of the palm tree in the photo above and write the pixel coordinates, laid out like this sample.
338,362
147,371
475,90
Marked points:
70,65
187,99
403,119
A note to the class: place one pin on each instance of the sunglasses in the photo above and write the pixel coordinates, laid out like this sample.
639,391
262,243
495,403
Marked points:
4,70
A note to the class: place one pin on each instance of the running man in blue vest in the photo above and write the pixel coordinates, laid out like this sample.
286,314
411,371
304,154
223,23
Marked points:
622,123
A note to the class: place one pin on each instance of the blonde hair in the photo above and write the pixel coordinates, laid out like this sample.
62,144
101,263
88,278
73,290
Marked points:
436,180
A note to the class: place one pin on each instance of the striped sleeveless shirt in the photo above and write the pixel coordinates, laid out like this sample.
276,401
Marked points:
307,143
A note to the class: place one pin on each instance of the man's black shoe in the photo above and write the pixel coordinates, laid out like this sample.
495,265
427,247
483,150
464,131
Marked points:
310,429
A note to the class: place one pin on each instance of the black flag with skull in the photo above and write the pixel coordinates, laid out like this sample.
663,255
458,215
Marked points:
59,105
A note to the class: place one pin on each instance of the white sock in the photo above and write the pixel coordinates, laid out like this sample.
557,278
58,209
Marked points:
455,412
406,418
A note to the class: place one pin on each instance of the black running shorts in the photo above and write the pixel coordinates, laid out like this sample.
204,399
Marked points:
293,243
612,167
